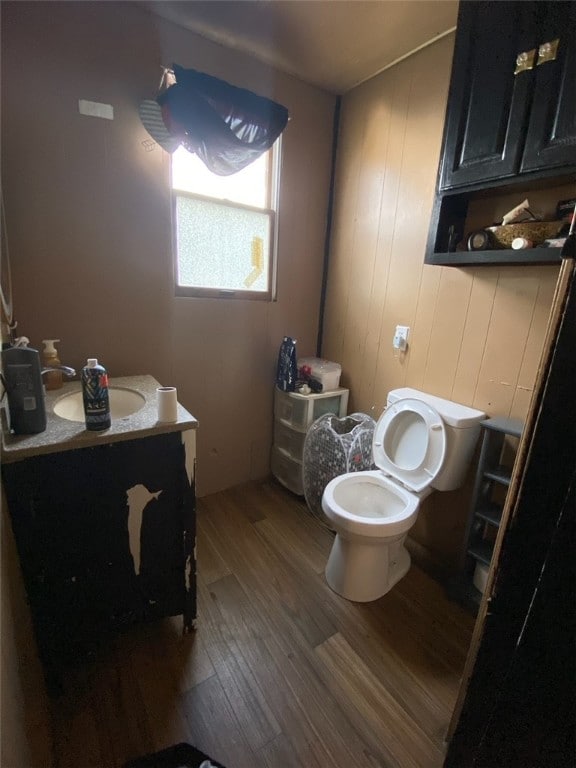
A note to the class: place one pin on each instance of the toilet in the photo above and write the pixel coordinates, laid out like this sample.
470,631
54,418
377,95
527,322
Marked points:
421,442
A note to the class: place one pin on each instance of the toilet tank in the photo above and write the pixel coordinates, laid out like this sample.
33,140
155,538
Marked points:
462,431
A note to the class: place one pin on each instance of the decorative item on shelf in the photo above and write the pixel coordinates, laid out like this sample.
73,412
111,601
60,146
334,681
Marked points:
521,243
565,210
534,231
480,240
521,212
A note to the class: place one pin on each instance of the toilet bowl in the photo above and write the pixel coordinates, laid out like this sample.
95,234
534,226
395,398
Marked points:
420,442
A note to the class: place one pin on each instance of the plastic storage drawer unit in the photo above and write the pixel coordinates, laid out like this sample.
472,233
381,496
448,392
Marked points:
289,441
299,411
288,471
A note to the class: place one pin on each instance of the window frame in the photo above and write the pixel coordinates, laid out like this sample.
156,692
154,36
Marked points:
273,196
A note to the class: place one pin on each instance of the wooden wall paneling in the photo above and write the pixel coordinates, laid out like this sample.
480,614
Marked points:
483,290
417,157
514,304
423,325
363,391
397,298
445,345
390,90
548,277
366,225
347,180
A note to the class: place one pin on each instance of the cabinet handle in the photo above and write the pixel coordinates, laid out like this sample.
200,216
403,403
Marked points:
547,52
525,61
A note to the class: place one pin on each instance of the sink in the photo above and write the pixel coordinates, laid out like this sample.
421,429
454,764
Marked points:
123,403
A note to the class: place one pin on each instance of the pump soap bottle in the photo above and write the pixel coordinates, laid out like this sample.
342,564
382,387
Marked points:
52,379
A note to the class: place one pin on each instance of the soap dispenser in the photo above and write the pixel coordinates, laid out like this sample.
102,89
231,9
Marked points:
52,379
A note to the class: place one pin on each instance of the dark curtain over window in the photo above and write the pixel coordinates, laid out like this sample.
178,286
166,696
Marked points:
227,127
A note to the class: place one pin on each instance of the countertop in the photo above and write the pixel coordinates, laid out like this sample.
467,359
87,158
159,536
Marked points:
64,435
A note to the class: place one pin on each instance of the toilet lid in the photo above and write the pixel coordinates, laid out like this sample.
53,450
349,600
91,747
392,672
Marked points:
410,443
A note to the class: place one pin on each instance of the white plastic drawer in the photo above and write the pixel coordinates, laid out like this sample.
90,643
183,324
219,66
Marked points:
299,411
288,471
289,440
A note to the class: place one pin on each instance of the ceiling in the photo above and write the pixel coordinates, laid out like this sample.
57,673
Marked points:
332,44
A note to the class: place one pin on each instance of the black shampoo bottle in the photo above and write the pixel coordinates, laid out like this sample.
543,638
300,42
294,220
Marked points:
23,377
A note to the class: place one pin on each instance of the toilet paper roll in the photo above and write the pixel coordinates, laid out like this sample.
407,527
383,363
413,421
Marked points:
167,404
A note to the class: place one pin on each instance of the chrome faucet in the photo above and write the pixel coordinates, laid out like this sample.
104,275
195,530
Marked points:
66,370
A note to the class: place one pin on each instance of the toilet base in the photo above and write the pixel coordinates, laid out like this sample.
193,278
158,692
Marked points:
366,570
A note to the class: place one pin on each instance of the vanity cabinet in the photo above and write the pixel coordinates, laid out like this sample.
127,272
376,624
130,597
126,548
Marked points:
105,537
510,119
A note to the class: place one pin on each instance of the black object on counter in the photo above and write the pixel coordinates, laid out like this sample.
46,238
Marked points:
23,381
287,371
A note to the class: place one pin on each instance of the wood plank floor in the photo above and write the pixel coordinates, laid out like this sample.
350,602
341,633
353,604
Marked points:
281,672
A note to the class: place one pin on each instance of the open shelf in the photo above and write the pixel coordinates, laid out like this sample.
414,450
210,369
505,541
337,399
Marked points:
490,512
482,551
458,212
500,474
496,257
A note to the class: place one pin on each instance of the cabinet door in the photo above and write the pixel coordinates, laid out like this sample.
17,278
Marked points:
488,104
105,536
551,137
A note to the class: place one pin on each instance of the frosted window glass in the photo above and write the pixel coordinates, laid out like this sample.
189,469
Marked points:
220,246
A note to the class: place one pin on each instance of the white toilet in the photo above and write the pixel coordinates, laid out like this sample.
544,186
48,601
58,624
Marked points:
421,442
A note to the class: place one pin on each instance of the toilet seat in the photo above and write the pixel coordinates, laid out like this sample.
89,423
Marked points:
410,443
370,504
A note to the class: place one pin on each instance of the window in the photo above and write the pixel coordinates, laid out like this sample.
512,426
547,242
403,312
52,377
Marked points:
224,233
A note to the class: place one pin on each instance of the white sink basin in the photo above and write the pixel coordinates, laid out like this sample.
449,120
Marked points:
123,402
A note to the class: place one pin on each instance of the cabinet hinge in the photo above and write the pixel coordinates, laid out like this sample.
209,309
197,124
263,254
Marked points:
547,52
525,61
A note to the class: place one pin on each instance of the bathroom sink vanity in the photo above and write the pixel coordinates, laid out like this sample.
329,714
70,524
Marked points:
104,524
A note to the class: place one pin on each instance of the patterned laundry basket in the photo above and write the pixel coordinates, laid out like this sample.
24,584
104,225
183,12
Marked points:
332,447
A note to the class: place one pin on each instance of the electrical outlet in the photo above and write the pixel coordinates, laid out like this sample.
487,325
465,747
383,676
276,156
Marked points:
400,340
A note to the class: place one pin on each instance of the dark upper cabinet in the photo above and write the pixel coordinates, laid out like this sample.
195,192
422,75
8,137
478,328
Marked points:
551,135
510,109
510,124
